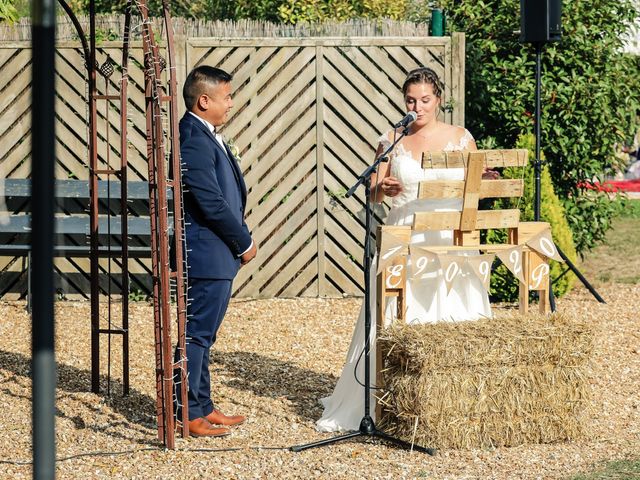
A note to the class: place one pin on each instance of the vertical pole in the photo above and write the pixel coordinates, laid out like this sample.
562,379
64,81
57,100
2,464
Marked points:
178,222
153,214
124,206
43,145
159,229
367,423
93,205
538,163
538,170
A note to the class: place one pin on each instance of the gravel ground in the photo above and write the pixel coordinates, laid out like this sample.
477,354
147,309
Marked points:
274,359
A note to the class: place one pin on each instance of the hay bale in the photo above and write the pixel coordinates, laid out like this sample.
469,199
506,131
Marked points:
505,381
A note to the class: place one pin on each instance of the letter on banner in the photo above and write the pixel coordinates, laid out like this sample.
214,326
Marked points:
538,272
512,258
423,262
480,265
391,247
451,268
543,244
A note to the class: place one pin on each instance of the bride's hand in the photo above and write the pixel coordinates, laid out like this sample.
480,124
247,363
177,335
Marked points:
390,186
490,174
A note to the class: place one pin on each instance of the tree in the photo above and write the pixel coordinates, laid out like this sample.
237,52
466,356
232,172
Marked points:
202,9
590,95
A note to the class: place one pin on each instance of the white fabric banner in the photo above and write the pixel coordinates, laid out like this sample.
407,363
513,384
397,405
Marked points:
512,258
544,245
480,265
451,268
424,262
391,247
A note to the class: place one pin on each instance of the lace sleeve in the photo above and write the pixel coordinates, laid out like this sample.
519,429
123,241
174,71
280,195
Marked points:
384,139
466,138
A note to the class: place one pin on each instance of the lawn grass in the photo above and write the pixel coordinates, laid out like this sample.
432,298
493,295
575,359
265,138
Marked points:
632,209
618,470
618,260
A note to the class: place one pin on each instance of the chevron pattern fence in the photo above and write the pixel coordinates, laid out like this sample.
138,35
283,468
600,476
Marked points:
307,116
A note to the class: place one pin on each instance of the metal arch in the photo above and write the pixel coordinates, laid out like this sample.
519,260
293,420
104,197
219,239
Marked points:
89,52
78,27
178,222
120,173
159,182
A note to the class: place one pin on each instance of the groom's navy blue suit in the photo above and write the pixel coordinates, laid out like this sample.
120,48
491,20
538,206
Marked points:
216,236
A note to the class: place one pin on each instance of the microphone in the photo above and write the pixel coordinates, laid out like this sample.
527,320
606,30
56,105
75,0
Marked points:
409,118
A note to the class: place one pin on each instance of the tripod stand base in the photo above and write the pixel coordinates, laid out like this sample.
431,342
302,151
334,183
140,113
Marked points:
367,429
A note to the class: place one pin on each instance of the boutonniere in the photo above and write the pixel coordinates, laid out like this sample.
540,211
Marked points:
235,151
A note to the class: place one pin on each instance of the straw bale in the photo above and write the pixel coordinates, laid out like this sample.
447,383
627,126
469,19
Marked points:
497,382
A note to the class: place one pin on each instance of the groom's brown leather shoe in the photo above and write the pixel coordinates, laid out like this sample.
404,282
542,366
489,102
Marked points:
201,427
218,418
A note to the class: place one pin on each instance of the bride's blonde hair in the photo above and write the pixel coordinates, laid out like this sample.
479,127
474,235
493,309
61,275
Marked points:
423,75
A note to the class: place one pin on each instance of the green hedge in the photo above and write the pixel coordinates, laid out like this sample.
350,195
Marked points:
301,11
504,286
286,11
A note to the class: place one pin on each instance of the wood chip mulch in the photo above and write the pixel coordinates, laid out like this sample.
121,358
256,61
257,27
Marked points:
273,360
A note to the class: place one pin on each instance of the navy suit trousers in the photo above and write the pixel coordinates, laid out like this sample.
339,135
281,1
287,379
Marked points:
208,301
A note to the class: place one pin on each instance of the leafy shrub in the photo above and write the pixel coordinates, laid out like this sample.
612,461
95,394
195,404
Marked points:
203,9
298,11
419,11
504,286
590,95
227,9
8,12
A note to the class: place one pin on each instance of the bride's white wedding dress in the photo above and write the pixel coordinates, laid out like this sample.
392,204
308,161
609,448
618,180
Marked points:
427,299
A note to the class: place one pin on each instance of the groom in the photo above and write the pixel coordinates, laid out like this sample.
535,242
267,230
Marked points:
217,239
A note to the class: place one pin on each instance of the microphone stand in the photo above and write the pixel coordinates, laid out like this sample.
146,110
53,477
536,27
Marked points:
367,425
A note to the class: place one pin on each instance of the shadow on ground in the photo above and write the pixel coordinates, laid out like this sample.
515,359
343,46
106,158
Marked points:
261,375
273,378
136,408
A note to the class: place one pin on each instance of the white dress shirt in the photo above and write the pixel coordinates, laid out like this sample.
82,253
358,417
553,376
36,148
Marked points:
212,129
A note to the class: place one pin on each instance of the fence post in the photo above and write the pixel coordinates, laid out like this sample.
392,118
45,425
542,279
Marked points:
320,167
180,43
457,77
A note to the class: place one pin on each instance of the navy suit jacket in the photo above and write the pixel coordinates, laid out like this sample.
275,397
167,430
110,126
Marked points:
214,201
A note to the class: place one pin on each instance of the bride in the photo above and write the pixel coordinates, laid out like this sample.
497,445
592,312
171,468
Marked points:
427,299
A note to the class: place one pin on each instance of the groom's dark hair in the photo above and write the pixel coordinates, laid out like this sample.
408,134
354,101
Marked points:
198,80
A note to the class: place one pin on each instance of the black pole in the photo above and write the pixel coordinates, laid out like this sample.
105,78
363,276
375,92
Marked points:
537,165
367,421
581,277
42,168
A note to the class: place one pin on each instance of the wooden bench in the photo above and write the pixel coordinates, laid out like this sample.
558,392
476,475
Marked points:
466,226
72,224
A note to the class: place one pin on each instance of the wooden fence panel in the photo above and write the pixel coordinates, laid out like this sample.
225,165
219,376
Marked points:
306,119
